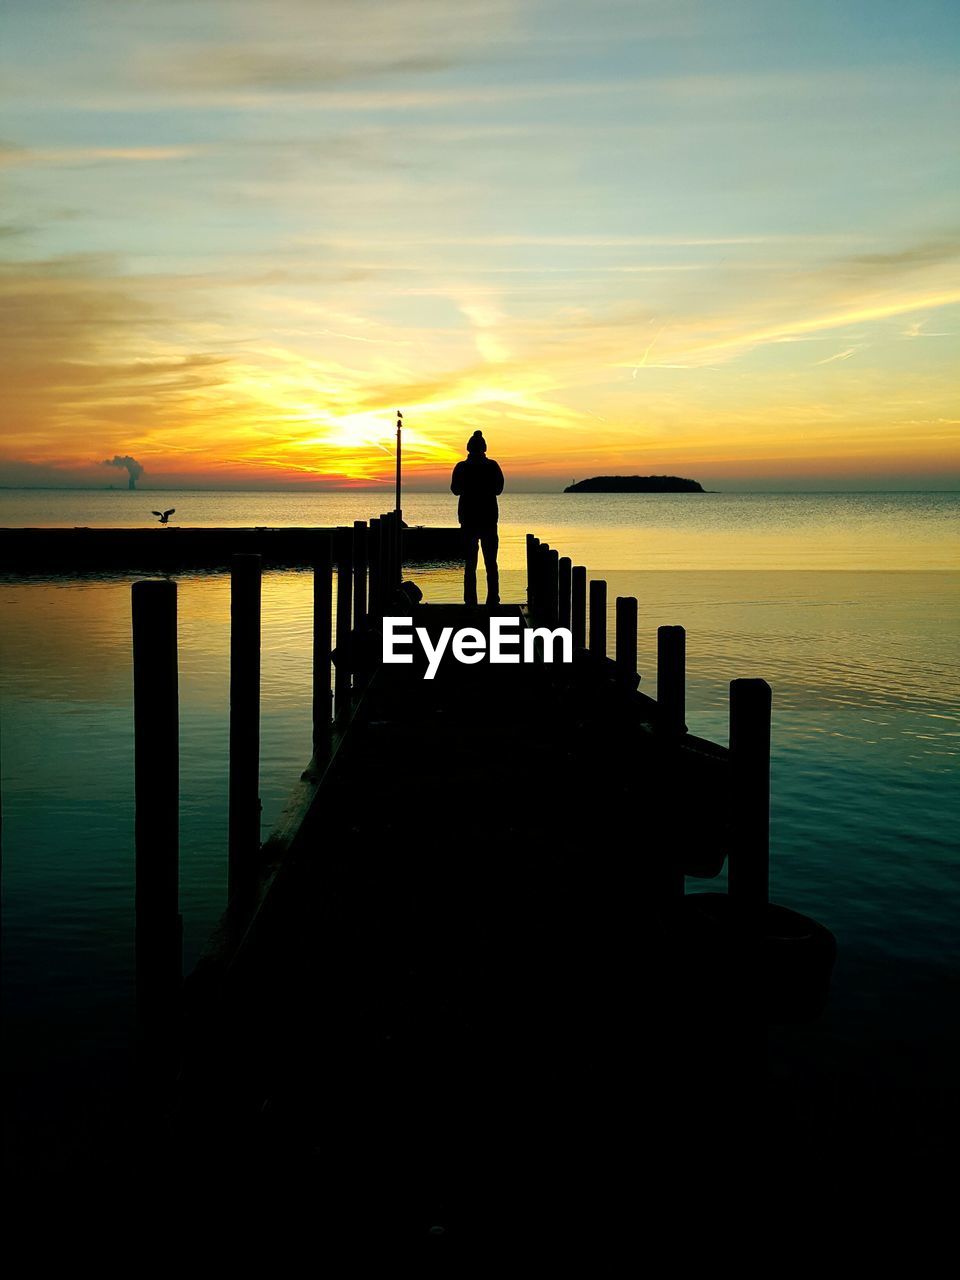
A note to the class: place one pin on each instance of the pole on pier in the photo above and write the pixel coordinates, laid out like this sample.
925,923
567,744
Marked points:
397,503
552,591
625,640
578,606
386,531
156,721
565,567
374,554
671,679
391,571
341,697
156,731
532,544
244,837
322,625
359,573
598,617
749,857
542,590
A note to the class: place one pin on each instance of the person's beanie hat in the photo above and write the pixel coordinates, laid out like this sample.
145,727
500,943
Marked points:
476,443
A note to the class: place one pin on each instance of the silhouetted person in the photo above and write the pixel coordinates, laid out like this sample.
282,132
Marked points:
478,480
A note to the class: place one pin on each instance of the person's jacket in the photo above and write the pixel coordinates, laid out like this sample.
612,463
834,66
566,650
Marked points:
478,480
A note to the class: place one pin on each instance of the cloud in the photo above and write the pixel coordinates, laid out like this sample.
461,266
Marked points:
841,355
79,359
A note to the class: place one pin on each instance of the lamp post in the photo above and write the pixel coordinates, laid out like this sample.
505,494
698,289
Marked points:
399,450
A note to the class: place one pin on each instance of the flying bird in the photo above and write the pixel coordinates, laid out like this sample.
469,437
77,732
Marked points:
165,515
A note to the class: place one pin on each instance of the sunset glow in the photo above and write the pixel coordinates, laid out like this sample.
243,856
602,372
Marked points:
714,240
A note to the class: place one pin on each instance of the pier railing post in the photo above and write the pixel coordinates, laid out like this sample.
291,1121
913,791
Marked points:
671,679
552,586
156,731
749,857
626,637
565,566
341,698
532,544
578,606
598,617
374,556
244,833
322,627
539,581
386,557
359,573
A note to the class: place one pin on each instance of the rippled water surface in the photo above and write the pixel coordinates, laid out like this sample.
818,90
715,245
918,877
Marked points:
865,746
609,531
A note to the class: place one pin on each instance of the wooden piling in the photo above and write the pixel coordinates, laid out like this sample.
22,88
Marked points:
625,640
543,582
158,932
322,626
386,531
374,556
552,586
565,567
359,573
578,606
671,679
244,786
532,544
598,617
749,857
341,697
156,732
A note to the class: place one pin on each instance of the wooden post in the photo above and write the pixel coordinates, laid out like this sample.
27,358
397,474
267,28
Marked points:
749,858
552,573
322,625
156,730
398,551
532,544
598,617
341,697
244,836
374,545
671,679
386,528
156,733
578,606
564,574
542,592
359,573
625,640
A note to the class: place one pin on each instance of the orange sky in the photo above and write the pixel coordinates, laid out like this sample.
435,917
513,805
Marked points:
238,240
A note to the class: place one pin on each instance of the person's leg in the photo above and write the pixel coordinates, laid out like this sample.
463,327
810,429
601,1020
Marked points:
490,541
470,541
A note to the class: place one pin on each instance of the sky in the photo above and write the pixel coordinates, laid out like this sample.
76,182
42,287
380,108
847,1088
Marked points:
718,240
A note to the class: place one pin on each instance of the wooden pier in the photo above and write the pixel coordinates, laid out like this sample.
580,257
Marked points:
175,548
460,991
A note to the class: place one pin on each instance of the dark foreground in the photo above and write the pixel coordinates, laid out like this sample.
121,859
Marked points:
473,1013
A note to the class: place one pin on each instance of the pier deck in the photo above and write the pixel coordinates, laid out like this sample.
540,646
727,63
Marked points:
454,1010
459,990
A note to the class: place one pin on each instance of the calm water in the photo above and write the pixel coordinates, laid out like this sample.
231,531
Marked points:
862,656
615,531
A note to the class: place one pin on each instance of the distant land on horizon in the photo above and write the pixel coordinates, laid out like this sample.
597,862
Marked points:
635,484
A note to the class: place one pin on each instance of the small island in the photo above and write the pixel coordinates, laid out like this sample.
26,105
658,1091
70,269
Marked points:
635,484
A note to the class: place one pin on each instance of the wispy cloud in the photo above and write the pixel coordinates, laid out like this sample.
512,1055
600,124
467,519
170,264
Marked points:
840,355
